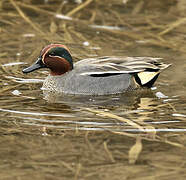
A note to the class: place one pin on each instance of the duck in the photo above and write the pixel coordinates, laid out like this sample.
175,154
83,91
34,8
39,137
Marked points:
95,76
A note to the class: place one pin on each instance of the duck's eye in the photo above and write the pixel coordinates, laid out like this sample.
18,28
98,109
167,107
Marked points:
52,54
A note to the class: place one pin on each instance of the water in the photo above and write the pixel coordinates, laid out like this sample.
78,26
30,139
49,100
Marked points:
137,135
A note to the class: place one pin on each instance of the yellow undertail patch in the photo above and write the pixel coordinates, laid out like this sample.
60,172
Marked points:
146,77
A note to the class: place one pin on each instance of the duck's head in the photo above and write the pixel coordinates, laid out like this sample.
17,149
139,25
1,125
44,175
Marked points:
56,57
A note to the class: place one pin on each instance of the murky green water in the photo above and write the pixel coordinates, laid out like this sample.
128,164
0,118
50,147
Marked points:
43,136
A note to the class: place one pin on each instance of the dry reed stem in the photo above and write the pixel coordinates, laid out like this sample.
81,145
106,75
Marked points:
79,167
88,142
7,22
166,104
138,7
151,134
36,8
59,9
4,70
174,109
108,152
49,12
79,35
147,39
78,8
146,137
128,121
25,17
53,27
159,139
14,173
124,134
174,143
9,88
135,150
93,16
68,166
132,35
173,26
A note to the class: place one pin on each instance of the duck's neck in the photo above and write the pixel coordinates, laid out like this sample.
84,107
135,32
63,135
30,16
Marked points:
54,73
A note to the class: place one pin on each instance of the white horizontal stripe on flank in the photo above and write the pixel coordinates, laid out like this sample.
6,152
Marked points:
108,72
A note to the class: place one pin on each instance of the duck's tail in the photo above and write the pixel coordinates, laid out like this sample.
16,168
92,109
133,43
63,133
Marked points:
148,77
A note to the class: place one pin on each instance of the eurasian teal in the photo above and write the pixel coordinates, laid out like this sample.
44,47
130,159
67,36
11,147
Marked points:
95,76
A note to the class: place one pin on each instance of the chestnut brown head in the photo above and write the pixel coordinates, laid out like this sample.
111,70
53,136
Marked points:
56,57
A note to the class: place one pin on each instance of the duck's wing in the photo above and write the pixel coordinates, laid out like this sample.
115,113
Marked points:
119,65
145,70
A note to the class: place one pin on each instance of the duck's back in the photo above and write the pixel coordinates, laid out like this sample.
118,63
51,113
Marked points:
106,75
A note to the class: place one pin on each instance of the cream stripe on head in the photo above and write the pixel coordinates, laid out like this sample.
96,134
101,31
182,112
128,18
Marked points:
47,48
